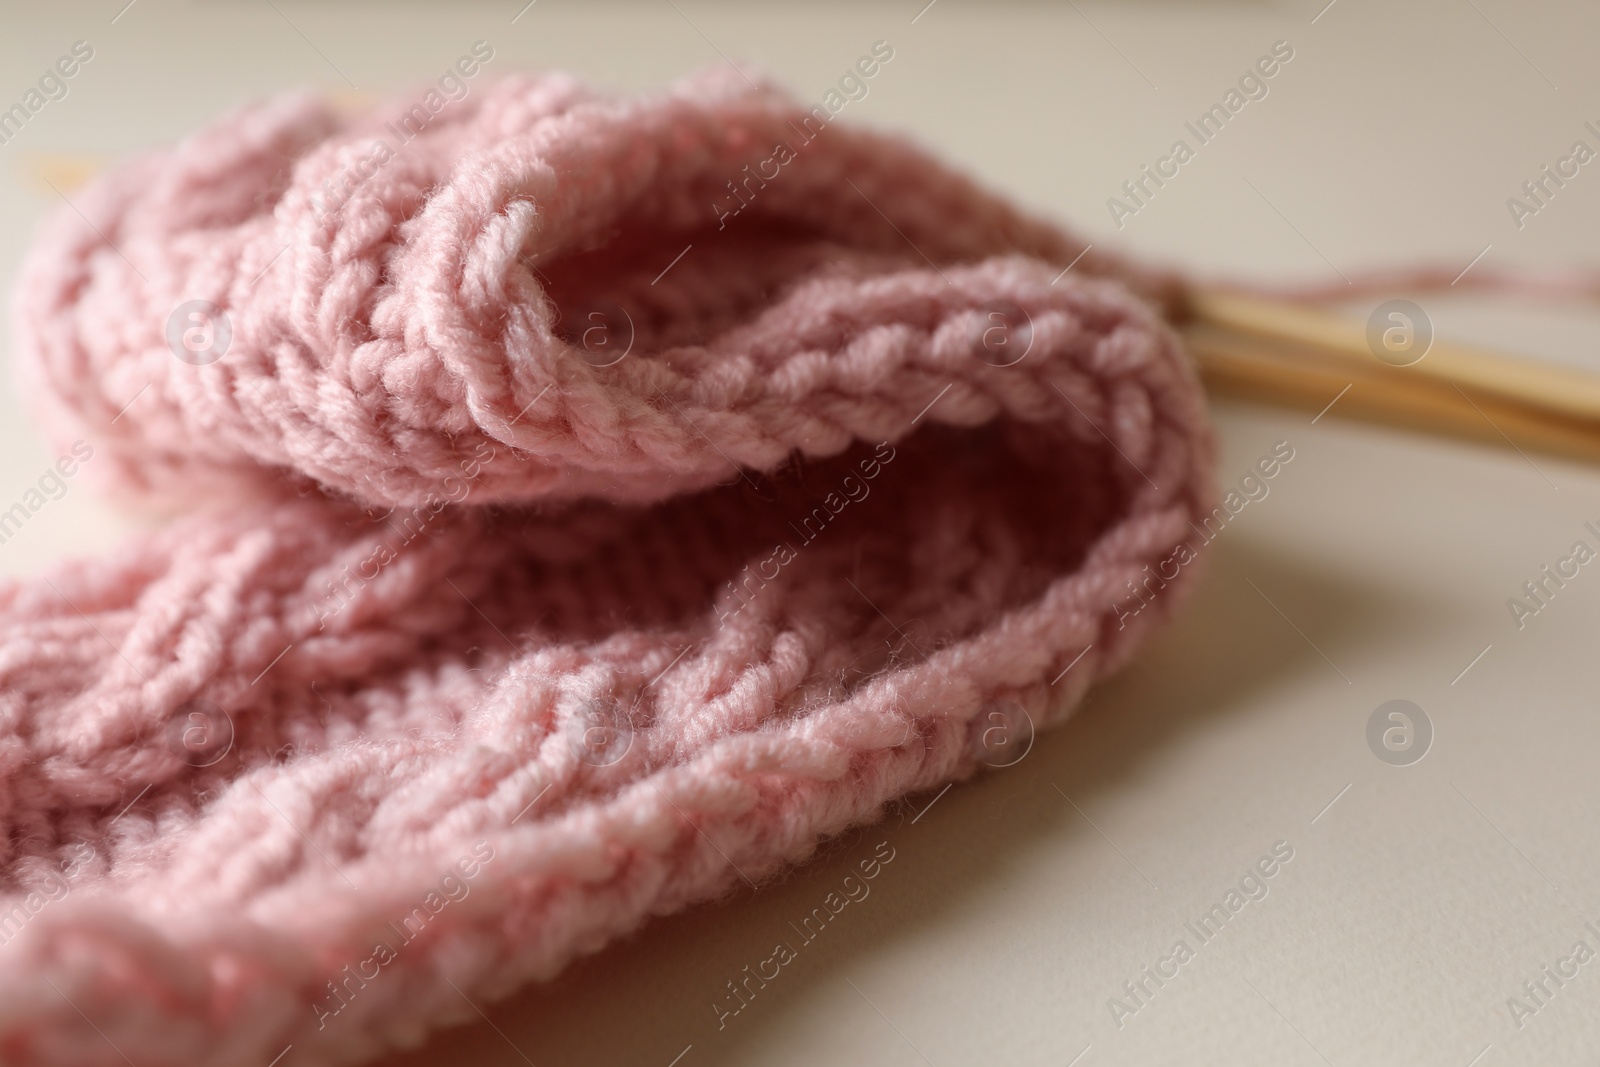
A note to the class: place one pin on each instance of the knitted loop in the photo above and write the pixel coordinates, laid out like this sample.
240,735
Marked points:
620,517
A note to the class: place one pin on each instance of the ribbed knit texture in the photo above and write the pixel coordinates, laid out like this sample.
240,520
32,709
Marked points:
616,638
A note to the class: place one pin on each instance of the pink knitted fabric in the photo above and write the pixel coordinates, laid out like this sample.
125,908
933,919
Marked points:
500,635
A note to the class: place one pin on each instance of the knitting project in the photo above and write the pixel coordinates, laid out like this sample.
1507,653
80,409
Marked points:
595,506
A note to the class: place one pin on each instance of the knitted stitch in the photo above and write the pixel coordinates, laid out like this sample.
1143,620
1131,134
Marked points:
502,644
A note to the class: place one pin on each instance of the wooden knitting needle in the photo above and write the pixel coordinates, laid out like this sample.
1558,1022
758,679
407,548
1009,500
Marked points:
1538,384
1288,353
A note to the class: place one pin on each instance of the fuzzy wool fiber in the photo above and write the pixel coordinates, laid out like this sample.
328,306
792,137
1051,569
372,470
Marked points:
462,590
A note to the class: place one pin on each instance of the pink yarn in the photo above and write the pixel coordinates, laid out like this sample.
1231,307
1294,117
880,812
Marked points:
519,649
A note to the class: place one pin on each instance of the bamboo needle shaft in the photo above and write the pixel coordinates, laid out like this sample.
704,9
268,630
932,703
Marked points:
1288,354
1539,385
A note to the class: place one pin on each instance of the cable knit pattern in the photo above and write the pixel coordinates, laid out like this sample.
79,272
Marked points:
616,634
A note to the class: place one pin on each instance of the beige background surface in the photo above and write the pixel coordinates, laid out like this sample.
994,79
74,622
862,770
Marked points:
1381,563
